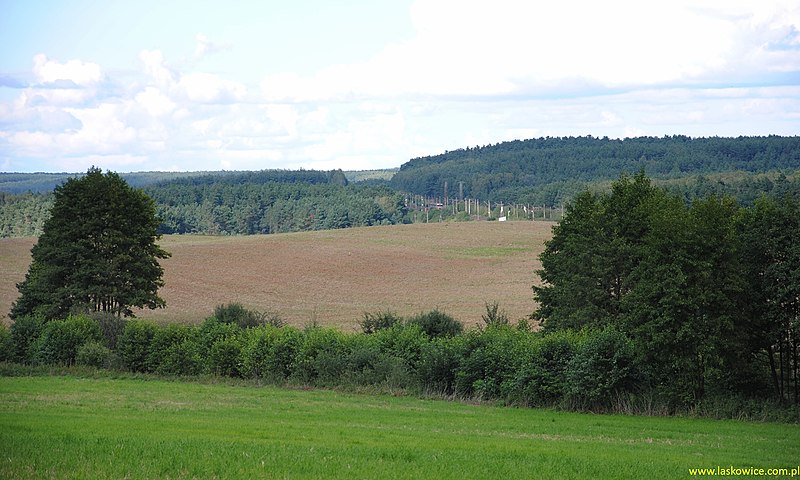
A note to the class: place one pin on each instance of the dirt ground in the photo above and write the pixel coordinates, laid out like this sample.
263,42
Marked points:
333,277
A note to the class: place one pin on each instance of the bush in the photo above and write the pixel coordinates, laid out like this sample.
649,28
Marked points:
321,358
111,327
133,345
601,369
437,324
488,362
541,378
211,331
494,316
269,352
367,364
403,341
174,351
244,318
93,354
6,346
223,357
373,322
439,361
60,339
25,331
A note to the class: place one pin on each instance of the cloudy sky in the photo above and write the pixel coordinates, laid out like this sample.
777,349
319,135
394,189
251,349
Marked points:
200,85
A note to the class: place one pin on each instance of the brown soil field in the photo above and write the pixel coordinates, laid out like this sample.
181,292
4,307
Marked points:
333,277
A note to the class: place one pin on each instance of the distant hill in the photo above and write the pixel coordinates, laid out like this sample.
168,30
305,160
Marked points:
266,201
550,170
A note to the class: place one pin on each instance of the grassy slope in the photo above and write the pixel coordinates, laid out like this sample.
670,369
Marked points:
64,427
335,276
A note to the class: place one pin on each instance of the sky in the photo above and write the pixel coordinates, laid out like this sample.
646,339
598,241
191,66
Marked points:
351,84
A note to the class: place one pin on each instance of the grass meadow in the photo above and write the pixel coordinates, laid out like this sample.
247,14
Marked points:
74,427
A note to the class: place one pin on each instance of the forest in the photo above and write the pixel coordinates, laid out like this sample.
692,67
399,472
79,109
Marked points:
545,173
267,201
551,170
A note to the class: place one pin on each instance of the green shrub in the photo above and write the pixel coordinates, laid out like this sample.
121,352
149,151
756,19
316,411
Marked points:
541,377
211,331
174,350
223,357
602,368
374,322
488,363
111,327
439,361
244,318
403,341
133,345
60,339
321,358
437,324
6,346
494,316
269,352
25,331
368,364
93,354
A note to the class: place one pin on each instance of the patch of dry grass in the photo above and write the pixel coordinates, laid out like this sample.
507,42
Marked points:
335,276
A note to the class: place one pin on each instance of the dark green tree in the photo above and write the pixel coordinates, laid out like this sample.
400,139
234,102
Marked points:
97,252
685,297
770,256
587,264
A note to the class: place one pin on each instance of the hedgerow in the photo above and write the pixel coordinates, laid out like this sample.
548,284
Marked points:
587,370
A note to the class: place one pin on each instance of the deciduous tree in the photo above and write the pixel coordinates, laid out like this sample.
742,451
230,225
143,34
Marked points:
97,252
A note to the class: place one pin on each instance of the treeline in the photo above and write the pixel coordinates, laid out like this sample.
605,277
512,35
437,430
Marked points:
268,201
551,170
707,293
427,354
23,215
273,207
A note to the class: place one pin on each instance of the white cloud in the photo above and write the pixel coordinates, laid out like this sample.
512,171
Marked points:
209,88
155,102
206,47
155,67
50,71
469,73
510,47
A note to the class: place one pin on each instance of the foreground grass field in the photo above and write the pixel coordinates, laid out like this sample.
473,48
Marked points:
67,427
334,276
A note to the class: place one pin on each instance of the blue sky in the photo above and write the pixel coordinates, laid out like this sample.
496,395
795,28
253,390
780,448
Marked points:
193,85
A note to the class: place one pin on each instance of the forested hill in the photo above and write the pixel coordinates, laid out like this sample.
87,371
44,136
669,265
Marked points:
266,201
553,169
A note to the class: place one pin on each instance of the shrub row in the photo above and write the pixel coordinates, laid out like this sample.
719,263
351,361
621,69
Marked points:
426,353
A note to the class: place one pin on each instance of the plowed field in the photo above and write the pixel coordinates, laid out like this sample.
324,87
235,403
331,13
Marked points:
335,276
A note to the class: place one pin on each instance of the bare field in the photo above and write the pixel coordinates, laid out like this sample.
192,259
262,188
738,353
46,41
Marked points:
334,276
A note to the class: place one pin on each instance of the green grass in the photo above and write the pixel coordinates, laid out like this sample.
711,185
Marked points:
68,427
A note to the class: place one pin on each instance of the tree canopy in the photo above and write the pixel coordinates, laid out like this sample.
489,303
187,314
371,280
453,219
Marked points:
97,252
554,169
709,292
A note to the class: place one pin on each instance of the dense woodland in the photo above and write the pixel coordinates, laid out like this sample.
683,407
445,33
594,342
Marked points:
551,170
707,293
544,173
